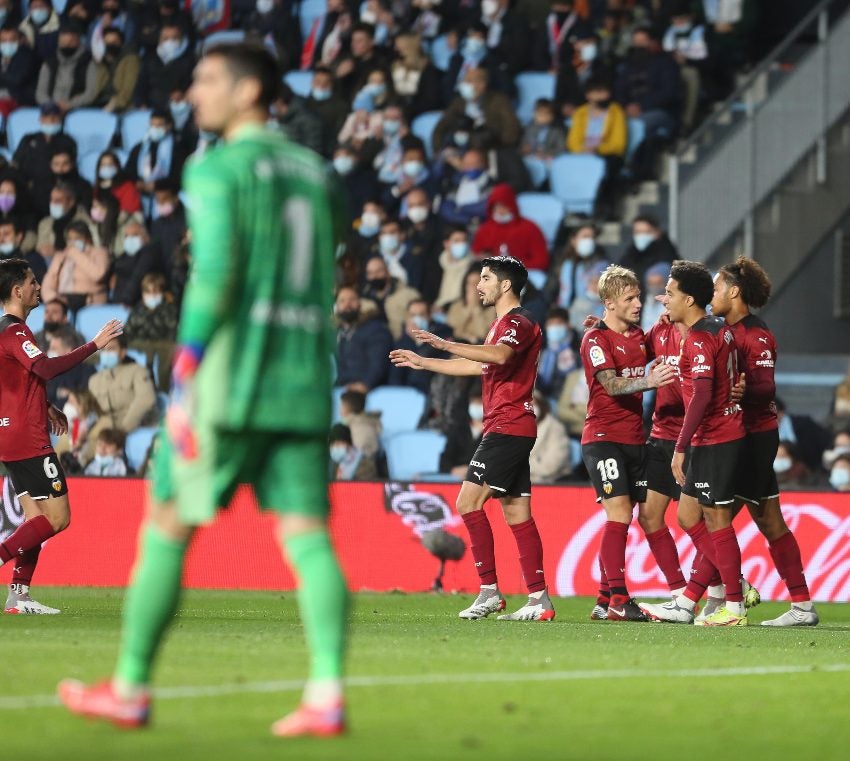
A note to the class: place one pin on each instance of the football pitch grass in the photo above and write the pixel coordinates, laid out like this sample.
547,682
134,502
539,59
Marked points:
426,685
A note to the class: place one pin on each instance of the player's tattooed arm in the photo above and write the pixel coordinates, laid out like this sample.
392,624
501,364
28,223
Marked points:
659,375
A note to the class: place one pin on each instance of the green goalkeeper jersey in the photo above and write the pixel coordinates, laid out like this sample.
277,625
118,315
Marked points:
264,222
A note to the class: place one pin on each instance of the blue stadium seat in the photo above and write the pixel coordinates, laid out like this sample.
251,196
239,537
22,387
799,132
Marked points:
137,445
300,81
92,128
401,408
538,170
139,357
35,321
537,278
87,165
532,85
637,132
413,453
545,210
308,12
336,397
224,36
92,318
575,179
21,122
6,154
441,53
134,126
423,127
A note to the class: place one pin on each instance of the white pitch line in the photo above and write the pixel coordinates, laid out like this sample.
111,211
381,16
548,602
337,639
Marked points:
415,680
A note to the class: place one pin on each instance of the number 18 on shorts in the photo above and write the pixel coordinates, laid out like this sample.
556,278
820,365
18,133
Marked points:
616,470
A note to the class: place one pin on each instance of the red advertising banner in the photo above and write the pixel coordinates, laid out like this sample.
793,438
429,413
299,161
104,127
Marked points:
376,528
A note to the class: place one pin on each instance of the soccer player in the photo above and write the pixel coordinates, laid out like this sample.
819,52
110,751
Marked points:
713,429
252,392
25,416
614,357
507,364
737,288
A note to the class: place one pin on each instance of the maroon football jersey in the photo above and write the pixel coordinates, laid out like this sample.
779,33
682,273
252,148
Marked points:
757,355
507,390
613,418
664,342
709,351
23,395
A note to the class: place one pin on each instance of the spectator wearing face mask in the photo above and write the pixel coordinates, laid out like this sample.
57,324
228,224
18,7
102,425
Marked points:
63,210
362,243
152,326
11,239
69,78
365,426
418,318
506,232
394,250
77,275
586,301
416,80
159,156
473,53
363,344
169,225
185,130
791,472
348,463
274,22
465,202
18,71
327,104
289,112
588,65
63,169
550,456
656,283
463,438
839,476
559,356
41,29
570,266
33,154
385,148
138,257
63,341
111,178
56,320
840,446
166,69
455,261
650,245
357,180
124,393
108,460
390,294
108,222
423,233
545,137
364,56
508,35
117,73
552,41
810,438
467,317
16,204
413,174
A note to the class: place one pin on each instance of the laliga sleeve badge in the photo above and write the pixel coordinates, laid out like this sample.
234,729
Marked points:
597,356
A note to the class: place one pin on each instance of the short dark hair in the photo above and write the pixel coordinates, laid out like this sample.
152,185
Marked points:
695,280
250,60
12,272
13,222
558,313
507,268
751,280
111,436
81,228
363,26
354,400
340,432
67,189
648,219
66,335
114,30
61,304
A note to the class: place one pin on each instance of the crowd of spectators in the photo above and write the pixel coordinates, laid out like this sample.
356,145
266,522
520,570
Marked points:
420,213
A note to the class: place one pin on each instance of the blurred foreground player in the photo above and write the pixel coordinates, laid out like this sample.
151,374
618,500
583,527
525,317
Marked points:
507,364
25,447
738,287
252,387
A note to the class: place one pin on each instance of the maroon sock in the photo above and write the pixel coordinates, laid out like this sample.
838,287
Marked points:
604,590
786,557
729,562
701,574
30,534
530,554
702,541
25,566
664,551
481,544
613,555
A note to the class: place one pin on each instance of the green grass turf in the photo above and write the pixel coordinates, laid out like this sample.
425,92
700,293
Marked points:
613,706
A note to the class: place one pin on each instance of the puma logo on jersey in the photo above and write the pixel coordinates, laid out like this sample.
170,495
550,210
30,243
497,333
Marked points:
663,340
763,339
620,348
21,333
697,344
591,340
515,322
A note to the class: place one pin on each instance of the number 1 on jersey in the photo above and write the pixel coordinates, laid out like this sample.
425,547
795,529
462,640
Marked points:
298,217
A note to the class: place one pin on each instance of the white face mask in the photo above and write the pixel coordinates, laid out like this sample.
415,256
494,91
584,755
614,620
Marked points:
412,168
839,477
585,247
7,248
782,464
152,300
476,411
503,217
388,243
343,164
265,6
459,249
642,240
466,90
489,7
70,412
132,244
588,53
417,214
57,210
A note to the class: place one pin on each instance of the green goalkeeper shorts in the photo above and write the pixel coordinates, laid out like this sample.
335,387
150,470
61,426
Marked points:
289,473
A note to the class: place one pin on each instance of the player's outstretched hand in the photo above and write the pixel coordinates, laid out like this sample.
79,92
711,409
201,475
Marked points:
677,467
108,332
591,322
661,375
739,389
405,358
423,336
58,421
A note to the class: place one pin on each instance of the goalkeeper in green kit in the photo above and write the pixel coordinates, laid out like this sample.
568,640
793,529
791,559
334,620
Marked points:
252,387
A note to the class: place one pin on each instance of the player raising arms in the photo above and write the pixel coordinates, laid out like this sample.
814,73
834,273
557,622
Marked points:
507,364
252,392
614,358
737,288
713,428
25,447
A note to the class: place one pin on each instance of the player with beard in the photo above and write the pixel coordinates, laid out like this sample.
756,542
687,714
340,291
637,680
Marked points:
614,357
507,364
